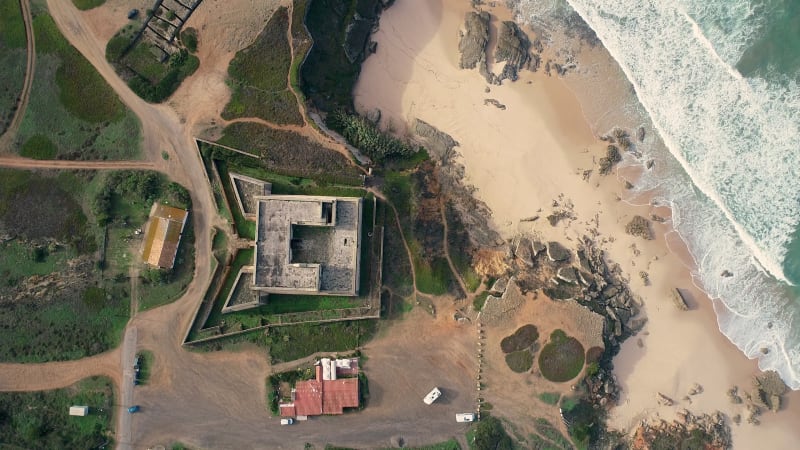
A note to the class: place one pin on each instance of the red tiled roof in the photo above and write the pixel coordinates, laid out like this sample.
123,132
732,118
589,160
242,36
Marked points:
288,410
339,394
308,398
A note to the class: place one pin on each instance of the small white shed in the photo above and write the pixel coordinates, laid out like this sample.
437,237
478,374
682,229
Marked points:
79,411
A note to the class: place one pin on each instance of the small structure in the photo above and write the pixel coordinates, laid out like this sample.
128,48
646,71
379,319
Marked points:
465,417
80,411
432,396
163,235
326,393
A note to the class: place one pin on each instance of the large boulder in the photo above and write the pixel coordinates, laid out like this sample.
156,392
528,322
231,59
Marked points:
557,252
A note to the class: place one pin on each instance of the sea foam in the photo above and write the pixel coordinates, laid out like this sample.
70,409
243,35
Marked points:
734,180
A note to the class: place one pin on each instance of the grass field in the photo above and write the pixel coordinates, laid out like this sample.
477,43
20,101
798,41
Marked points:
288,153
562,358
298,341
39,419
87,4
73,113
258,76
12,59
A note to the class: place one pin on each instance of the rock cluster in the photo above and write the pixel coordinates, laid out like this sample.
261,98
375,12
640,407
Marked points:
612,158
639,226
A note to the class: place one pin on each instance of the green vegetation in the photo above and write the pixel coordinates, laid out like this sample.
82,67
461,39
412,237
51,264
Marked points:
292,342
12,59
189,39
287,153
79,303
40,419
146,361
152,74
433,277
328,76
86,119
39,147
87,4
548,431
480,300
562,358
520,361
365,135
584,421
522,339
551,398
489,434
259,76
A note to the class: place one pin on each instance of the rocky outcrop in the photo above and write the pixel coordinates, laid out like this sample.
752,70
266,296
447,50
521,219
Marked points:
557,252
473,42
499,310
769,388
439,144
524,251
513,47
710,431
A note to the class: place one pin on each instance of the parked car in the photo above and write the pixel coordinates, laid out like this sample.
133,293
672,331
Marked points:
287,421
465,417
133,409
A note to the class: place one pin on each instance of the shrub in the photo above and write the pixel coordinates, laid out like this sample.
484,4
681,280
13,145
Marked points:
551,398
562,358
522,339
520,361
490,435
365,135
189,39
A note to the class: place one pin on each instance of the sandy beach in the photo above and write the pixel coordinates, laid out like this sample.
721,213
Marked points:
521,160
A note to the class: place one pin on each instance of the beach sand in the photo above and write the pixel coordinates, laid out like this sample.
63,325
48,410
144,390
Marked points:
523,158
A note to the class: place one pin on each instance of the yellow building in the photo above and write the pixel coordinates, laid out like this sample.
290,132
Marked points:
163,235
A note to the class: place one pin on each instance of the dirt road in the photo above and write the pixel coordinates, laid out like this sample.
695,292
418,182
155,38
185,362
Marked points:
15,162
7,139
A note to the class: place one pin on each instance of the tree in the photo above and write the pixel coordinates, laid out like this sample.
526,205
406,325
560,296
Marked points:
490,435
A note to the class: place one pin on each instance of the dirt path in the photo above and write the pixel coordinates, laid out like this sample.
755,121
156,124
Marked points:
16,162
55,375
7,139
446,249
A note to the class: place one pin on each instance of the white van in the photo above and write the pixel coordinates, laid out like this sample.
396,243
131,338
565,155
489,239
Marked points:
465,417
432,396
287,421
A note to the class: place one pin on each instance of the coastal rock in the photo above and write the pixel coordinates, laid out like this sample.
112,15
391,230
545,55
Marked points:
663,400
495,103
538,247
768,390
439,144
696,389
639,226
356,38
733,395
726,273
557,252
374,115
640,134
499,286
679,300
513,47
473,42
612,157
524,251
568,275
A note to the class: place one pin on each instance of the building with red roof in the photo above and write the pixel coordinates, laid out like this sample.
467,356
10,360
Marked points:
326,394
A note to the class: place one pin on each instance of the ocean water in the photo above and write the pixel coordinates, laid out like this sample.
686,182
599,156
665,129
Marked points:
720,82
